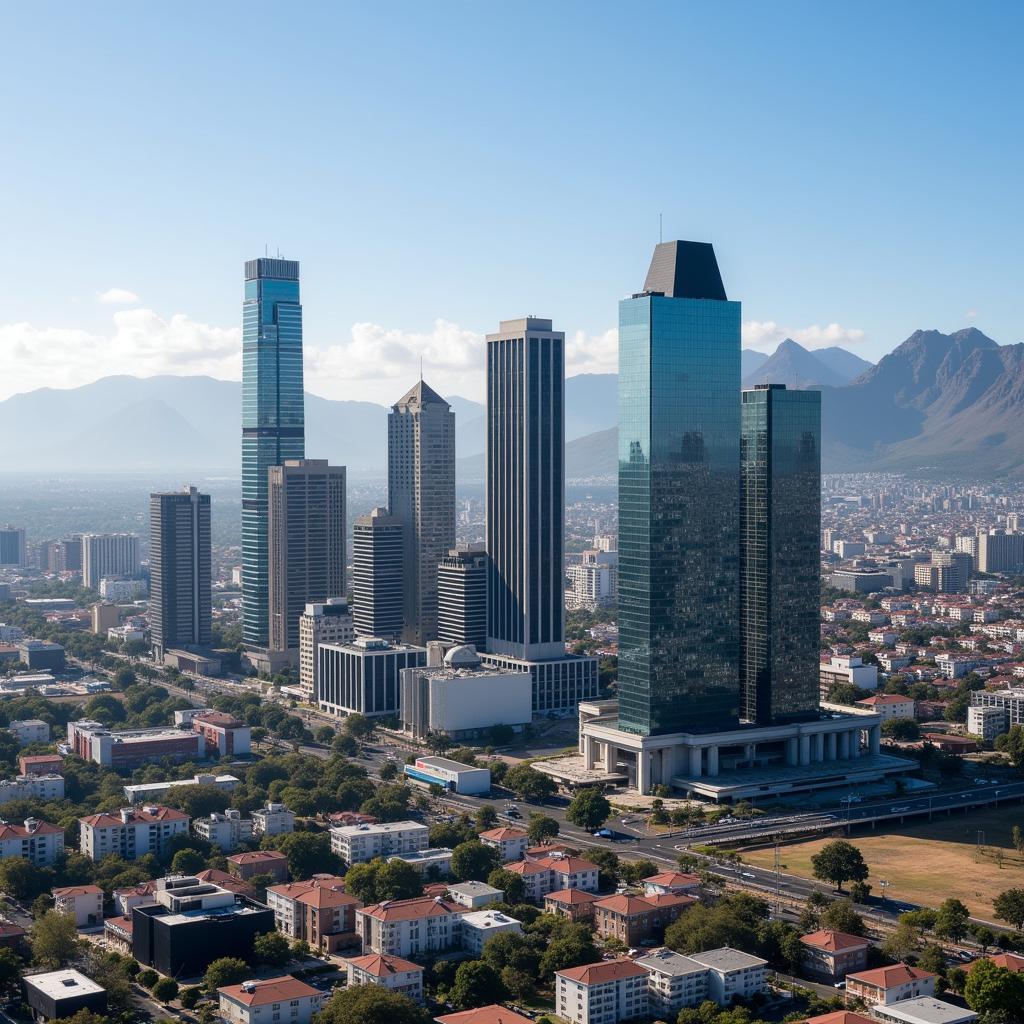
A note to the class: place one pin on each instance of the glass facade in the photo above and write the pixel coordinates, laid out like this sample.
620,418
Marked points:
273,418
526,489
780,583
679,486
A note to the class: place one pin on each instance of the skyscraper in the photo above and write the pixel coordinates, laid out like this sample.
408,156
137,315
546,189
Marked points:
421,492
108,554
526,514
780,519
462,597
679,484
12,546
273,418
305,545
526,489
377,548
179,563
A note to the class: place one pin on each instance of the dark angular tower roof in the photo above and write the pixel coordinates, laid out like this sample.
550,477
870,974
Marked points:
420,394
685,270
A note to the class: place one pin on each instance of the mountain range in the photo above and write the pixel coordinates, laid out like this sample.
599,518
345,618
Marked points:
937,403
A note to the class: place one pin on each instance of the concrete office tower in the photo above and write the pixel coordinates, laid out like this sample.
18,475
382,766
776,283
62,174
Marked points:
327,622
306,545
679,485
273,419
108,554
780,578
462,596
421,492
377,575
69,555
1000,552
12,547
179,563
526,489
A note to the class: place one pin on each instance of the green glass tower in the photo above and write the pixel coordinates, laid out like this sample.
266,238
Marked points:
780,520
273,418
679,488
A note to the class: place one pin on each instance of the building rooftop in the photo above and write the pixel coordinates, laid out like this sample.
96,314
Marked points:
603,971
134,816
573,897
488,919
890,977
667,961
273,990
410,910
63,984
447,764
503,834
378,828
381,965
728,959
673,879
927,1010
493,1014
475,889
257,856
78,890
832,941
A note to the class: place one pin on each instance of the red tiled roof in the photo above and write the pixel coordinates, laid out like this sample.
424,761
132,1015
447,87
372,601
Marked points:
78,890
841,1017
674,879
567,865
502,834
493,1014
602,971
410,910
225,881
886,698
890,977
273,990
527,867
833,942
1011,961
139,814
11,931
257,857
573,896
629,906
119,923
383,966
42,828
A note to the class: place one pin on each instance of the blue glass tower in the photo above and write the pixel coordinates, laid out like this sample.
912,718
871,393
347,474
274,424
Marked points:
679,490
273,418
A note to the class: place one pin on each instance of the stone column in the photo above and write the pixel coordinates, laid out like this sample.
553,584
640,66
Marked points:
589,752
819,746
830,747
792,750
712,760
875,739
844,746
855,743
749,752
643,772
805,750
695,762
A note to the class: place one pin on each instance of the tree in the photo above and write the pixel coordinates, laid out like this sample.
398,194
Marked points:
148,977
272,948
307,852
486,817
187,862
588,809
839,861
951,920
1009,907
510,949
922,919
571,945
860,892
509,883
23,880
474,861
359,727
371,1004
190,996
519,984
541,828
841,917
165,989
529,784
905,729
992,989
85,1016
379,880
901,942
228,970
54,940
11,969
388,771
477,983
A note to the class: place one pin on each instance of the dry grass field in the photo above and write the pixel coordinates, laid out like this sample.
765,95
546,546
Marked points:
927,862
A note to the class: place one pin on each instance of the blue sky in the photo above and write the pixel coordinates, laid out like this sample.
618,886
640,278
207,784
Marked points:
439,166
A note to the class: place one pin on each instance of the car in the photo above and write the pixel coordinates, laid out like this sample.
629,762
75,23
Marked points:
839,984
748,874
513,813
604,833
898,810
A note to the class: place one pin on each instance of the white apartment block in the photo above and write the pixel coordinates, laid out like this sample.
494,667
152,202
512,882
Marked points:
272,820
82,902
390,972
409,928
225,830
131,832
326,623
32,787
1010,701
480,925
602,993
733,974
674,981
30,730
284,1000
509,842
554,873
37,841
355,844
987,722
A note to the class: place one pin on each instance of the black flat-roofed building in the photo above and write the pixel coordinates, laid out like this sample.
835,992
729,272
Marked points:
57,995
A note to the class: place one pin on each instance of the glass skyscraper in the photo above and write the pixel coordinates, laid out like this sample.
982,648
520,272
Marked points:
679,489
273,418
780,520
526,489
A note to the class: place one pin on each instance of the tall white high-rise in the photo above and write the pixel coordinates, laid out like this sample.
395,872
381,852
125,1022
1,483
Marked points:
108,554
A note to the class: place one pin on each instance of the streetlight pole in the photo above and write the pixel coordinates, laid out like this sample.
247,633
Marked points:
884,885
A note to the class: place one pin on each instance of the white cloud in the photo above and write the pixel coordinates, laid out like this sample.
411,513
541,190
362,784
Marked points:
765,335
592,353
140,344
971,315
117,297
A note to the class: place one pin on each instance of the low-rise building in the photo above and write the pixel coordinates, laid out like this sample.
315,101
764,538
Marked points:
923,1010
833,955
151,792
355,844
674,981
509,842
888,705
57,995
474,895
222,734
41,655
848,669
318,912
286,1000
30,730
409,928
132,832
32,787
575,904
436,861
449,775
226,830
259,862
636,919
36,841
602,993
894,984
125,749
490,1014
272,820
390,972
82,902
480,925
733,974
41,764
553,872
671,882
